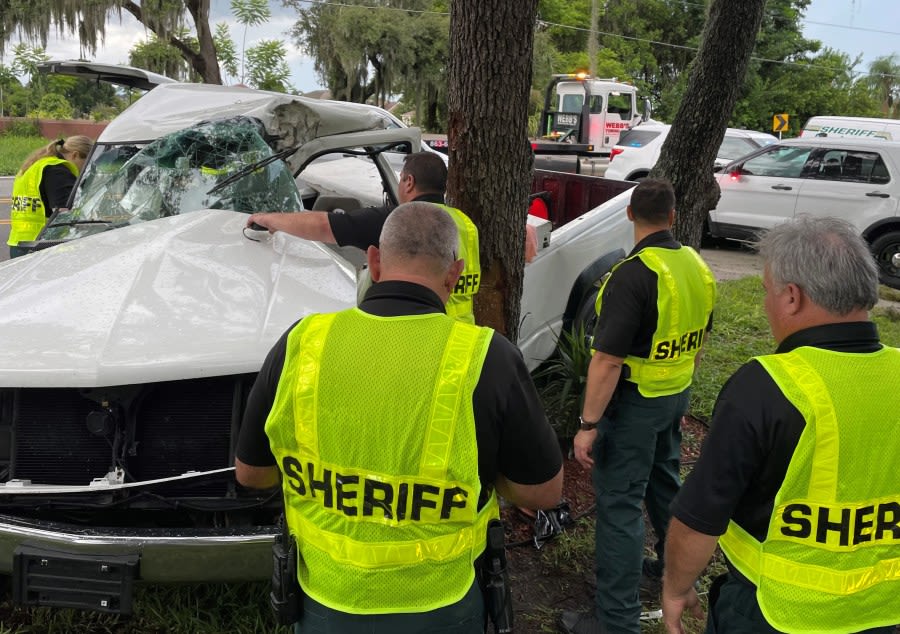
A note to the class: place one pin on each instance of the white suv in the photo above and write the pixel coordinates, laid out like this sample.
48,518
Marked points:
638,149
853,179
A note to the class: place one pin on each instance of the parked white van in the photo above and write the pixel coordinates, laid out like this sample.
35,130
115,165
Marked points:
852,127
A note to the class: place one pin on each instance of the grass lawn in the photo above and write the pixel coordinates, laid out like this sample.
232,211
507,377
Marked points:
15,150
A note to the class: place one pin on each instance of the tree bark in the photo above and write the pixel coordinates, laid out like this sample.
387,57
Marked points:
206,62
489,83
715,81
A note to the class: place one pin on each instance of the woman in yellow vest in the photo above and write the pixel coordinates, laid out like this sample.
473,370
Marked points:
44,183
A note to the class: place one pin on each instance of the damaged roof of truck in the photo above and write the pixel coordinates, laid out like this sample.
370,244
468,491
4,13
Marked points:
294,119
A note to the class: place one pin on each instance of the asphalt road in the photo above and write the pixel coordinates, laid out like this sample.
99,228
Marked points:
5,191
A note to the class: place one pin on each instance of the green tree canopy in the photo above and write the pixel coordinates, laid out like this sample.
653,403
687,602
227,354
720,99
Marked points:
884,79
87,21
375,50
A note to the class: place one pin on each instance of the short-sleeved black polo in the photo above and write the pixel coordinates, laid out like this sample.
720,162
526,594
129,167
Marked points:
511,429
753,434
361,228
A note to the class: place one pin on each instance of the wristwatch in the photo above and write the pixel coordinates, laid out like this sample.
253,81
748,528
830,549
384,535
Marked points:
583,425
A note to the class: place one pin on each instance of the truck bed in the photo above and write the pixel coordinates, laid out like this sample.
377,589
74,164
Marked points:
571,195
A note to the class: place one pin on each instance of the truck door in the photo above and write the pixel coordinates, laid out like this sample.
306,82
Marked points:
618,115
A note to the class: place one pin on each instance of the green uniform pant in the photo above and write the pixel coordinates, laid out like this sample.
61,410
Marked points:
734,610
466,616
636,459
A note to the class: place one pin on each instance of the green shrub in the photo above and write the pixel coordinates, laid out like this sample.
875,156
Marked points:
53,106
26,128
105,113
561,381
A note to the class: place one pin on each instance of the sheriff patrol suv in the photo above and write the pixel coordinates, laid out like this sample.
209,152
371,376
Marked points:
853,179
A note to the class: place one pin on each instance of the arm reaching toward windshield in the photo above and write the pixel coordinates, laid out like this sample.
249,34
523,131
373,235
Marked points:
310,225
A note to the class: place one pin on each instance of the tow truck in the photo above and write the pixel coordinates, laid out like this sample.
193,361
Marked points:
581,121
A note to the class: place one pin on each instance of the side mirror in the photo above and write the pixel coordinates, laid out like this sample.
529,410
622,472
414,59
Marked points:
735,172
645,116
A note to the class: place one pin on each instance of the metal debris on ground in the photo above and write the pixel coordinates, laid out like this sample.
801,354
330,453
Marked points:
551,522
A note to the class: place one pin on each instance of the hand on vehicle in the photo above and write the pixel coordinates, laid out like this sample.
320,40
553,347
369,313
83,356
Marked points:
259,222
673,606
583,443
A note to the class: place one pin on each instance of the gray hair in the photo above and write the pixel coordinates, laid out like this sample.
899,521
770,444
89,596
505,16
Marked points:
420,230
827,258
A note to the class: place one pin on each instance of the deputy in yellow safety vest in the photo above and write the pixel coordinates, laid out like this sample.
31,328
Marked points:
44,183
422,179
798,478
393,427
653,312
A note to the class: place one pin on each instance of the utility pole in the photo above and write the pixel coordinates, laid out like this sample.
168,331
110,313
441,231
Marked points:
592,40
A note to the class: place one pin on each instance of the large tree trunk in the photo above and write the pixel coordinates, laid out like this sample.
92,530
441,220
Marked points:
206,62
715,80
490,158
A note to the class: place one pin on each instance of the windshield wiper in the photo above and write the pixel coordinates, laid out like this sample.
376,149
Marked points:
238,175
72,223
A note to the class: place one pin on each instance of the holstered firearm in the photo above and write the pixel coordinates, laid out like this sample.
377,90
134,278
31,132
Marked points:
497,595
286,595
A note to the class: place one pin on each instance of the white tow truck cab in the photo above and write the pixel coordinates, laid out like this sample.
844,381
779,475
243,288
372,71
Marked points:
583,117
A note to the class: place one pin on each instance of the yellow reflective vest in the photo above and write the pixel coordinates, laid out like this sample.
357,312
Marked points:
686,294
460,305
374,432
830,561
27,215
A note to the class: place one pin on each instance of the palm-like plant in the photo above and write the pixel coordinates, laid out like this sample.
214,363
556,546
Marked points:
884,78
562,379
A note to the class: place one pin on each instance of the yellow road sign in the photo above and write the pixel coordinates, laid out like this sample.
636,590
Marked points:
780,123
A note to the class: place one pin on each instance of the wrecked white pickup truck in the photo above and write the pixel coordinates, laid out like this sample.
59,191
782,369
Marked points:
126,355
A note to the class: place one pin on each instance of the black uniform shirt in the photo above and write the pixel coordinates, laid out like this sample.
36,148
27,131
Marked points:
754,432
629,315
512,432
56,184
361,228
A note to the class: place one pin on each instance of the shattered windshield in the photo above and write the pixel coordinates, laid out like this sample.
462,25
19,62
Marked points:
129,184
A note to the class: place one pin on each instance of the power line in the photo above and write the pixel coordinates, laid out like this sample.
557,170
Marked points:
382,7
804,65
693,4
850,28
839,26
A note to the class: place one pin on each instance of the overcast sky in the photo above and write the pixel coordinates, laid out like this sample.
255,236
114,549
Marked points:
870,28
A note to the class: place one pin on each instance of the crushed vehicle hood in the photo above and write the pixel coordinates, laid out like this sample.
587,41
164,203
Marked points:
181,297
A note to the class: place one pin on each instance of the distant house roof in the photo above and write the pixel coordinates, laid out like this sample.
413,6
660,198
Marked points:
318,94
